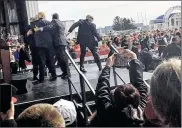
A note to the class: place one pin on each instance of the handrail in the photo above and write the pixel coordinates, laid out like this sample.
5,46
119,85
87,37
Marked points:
80,73
83,80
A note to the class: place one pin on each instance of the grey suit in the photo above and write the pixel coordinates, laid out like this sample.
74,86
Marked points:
57,30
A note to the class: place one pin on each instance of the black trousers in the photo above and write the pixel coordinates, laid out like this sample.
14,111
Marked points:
46,59
35,61
62,59
93,49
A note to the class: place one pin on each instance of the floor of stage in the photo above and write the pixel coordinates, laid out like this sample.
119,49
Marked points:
59,87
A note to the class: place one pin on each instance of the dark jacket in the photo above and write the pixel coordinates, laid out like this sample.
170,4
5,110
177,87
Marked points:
87,33
23,56
42,39
107,113
172,50
30,40
57,30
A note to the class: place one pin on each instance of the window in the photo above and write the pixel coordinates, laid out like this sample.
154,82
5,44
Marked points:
177,23
172,22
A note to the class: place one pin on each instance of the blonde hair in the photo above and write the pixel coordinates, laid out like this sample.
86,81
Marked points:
41,115
41,15
166,91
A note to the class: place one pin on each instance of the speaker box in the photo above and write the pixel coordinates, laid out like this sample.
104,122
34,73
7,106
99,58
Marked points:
22,85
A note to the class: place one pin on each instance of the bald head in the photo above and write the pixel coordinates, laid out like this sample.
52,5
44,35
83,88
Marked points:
90,18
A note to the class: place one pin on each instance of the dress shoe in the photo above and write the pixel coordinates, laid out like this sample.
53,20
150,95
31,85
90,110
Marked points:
35,78
65,77
41,81
61,75
53,78
83,70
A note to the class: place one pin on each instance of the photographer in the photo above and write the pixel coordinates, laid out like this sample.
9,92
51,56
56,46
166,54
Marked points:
122,107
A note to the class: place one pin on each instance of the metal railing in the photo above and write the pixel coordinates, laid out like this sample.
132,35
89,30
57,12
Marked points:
115,74
83,80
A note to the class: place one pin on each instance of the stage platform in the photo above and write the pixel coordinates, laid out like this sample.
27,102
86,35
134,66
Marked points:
58,88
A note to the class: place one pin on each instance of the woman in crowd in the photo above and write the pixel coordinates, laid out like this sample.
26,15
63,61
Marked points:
166,92
151,41
39,115
124,105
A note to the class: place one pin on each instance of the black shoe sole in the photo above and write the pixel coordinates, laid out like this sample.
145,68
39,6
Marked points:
83,71
53,79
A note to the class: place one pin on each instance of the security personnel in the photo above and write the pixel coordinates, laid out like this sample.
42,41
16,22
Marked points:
44,43
87,37
60,44
30,42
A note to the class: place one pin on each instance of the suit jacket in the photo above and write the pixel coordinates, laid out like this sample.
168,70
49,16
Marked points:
42,39
87,33
57,31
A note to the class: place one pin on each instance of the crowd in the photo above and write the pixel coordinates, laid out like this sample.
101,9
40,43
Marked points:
131,105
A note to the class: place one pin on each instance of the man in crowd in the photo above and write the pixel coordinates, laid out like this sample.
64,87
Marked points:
172,50
87,35
44,44
60,44
162,42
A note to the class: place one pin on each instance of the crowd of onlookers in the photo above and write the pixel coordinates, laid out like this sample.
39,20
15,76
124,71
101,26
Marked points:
130,105
136,104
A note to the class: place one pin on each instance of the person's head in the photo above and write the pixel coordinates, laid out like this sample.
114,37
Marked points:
165,89
126,95
18,48
40,115
55,16
41,15
162,34
90,18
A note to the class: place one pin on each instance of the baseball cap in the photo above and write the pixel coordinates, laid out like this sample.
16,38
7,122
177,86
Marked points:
67,110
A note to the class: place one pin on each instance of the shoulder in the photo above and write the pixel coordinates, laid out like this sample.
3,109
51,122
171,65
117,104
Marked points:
93,25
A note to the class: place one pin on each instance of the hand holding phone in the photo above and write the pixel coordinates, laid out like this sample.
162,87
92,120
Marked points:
121,61
128,54
9,115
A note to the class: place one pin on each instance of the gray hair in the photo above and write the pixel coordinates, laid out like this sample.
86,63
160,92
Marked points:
166,92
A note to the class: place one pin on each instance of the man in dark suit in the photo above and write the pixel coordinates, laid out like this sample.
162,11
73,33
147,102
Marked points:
30,44
44,44
57,29
87,37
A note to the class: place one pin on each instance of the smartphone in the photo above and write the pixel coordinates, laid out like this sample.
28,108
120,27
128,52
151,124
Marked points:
121,61
5,97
